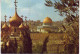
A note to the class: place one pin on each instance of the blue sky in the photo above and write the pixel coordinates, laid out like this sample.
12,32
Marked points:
33,9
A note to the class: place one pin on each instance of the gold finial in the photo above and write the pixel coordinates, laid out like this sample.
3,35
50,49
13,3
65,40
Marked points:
15,5
5,18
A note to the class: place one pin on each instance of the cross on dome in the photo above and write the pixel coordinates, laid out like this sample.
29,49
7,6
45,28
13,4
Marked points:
15,5
5,18
15,20
22,16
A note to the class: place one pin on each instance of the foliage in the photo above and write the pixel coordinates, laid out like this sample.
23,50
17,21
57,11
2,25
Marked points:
37,48
49,3
69,9
44,48
27,42
41,48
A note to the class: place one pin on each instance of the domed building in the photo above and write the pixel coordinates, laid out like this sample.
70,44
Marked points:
5,27
4,30
47,26
15,22
16,34
17,38
47,20
15,26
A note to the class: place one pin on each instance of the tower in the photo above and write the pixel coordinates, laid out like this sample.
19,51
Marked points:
19,36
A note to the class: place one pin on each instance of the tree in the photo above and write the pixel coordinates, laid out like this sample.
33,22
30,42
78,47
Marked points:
44,48
69,9
27,42
16,45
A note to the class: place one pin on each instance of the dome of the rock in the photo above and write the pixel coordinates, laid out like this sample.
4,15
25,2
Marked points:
47,20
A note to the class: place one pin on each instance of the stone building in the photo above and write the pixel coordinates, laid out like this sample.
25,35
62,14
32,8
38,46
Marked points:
47,26
16,35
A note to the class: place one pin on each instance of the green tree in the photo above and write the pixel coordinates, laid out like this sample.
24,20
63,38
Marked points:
27,42
69,9
15,45
44,48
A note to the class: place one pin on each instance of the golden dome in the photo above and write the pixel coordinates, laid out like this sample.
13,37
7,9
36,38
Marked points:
21,26
15,20
10,26
5,27
47,20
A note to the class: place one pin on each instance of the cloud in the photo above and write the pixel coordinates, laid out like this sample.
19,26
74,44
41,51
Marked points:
9,3
24,9
35,9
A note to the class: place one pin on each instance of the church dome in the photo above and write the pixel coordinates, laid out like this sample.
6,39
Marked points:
10,26
15,20
47,20
5,27
21,26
